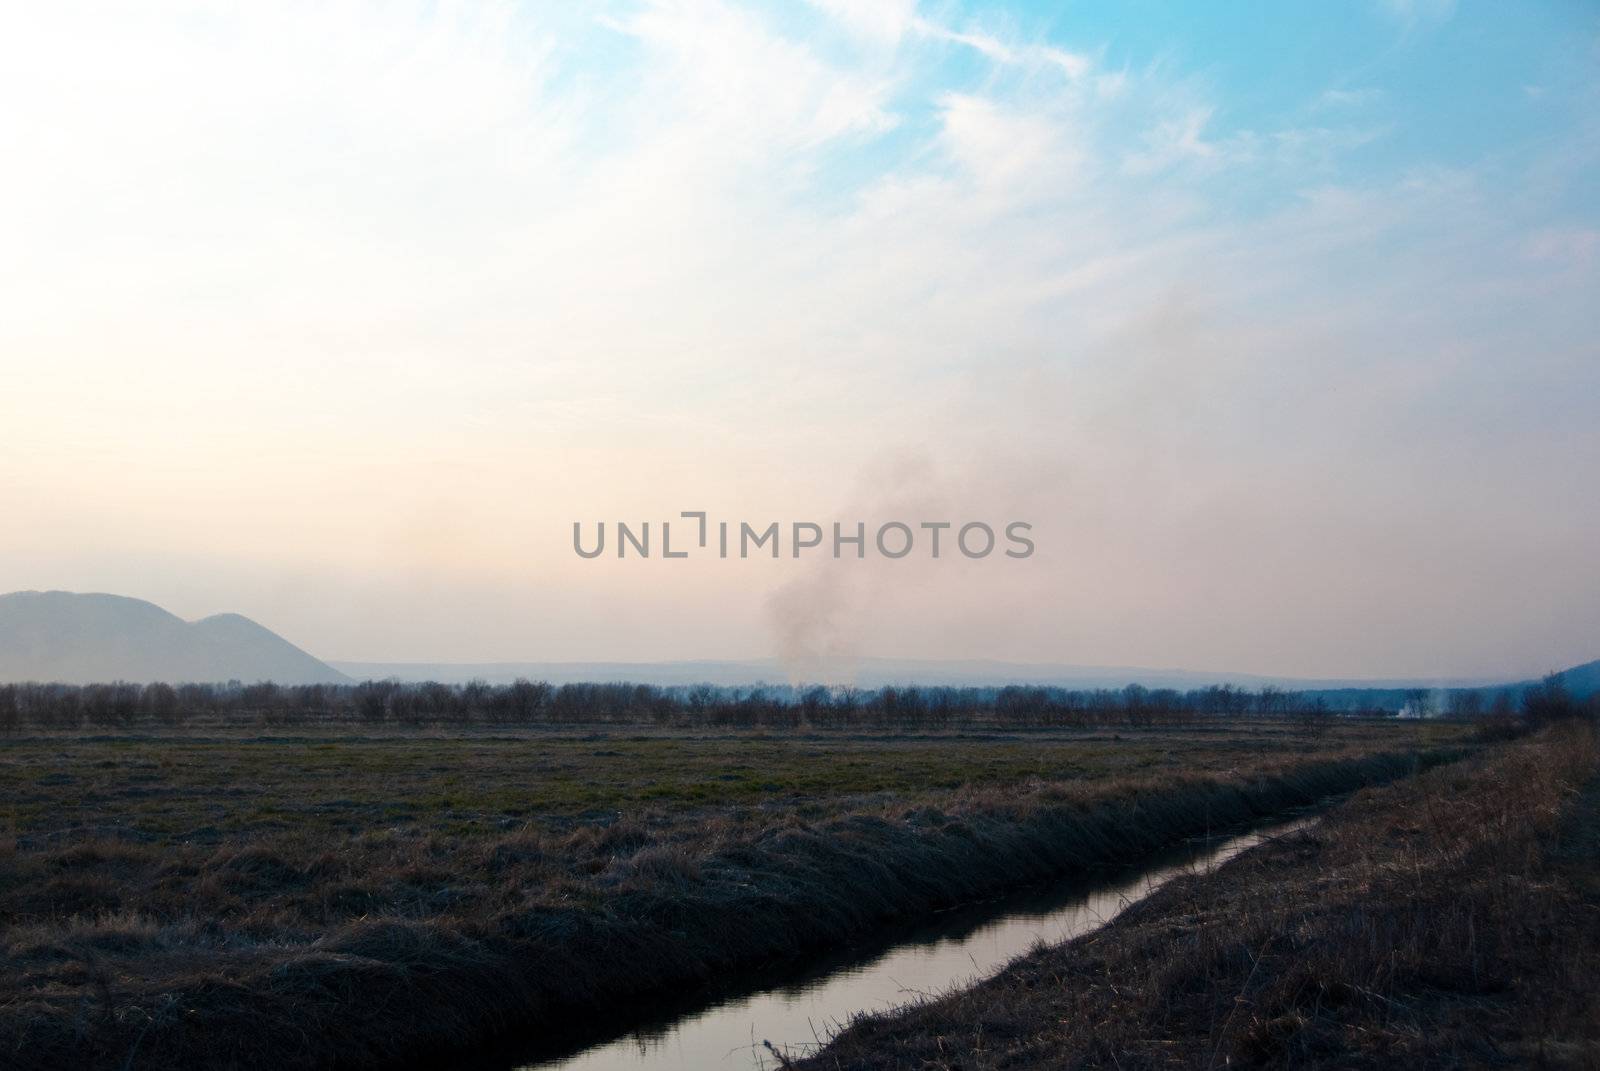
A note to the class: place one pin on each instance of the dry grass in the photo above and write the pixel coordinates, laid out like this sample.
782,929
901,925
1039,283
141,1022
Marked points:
1448,921
371,942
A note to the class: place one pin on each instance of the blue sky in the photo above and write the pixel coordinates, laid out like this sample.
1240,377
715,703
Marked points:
1412,84
1276,320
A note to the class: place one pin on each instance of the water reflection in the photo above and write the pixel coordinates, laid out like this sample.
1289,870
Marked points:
954,950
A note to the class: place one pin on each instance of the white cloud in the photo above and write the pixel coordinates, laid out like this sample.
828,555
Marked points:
882,20
382,301
1570,245
1173,142
1075,64
1350,98
1008,151
737,75
977,40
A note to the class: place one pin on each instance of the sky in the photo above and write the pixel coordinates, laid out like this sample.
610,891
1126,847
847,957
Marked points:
1278,323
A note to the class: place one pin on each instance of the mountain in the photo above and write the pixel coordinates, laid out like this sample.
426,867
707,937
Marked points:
78,639
60,636
1582,681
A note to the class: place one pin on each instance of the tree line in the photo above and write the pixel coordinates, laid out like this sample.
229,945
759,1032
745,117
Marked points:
535,703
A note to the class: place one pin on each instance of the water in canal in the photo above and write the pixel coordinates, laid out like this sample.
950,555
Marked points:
955,949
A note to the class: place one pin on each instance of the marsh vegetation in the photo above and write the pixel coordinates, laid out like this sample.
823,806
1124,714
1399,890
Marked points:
372,898
1450,920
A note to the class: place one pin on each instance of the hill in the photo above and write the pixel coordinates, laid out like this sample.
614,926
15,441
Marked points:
64,637
1583,681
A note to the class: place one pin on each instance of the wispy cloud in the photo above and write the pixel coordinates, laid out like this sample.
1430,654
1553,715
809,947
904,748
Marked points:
380,299
884,20
1350,98
1174,141
1569,245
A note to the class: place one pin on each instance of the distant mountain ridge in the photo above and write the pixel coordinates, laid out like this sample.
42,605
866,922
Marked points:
59,636
69,638
1584,680
871,673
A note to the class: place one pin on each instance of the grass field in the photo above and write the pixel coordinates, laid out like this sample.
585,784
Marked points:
191,789
273,889
1451,920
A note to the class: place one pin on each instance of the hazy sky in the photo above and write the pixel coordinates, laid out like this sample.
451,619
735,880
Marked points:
1279,323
